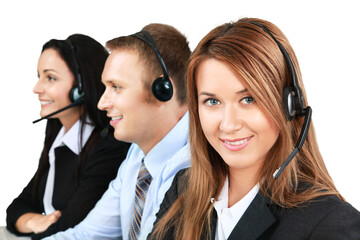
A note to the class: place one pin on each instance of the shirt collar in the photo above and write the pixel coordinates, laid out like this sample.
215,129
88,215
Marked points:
222,201
71,138
169,145
238,208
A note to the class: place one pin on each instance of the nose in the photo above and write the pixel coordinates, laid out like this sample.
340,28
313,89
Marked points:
104,102
231,120
38,89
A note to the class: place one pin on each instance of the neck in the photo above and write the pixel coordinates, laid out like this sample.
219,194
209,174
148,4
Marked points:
69,122
240,184
161,128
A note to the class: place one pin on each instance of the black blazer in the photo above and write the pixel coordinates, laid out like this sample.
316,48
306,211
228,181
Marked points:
323,218
74,196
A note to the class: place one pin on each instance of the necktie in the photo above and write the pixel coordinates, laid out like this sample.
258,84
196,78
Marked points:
142,186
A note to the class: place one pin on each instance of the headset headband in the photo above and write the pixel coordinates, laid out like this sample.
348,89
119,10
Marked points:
299,98
146,37
77,67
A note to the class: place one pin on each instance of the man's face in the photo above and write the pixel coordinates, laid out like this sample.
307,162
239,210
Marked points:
124,99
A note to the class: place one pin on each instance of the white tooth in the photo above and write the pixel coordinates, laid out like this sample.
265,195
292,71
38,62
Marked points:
116,118
237,142
45,102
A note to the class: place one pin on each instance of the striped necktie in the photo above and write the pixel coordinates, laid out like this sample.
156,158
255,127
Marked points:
142,186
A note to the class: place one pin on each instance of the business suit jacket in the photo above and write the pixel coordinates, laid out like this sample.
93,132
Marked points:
326,217
74,196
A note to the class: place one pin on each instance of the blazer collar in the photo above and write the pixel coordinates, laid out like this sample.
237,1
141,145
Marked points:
255,221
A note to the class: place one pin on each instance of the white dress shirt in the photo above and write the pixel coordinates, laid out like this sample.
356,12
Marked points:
229,217
71,139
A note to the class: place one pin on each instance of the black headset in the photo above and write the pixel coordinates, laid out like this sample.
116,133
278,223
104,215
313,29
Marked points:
293,103
162,88
76,93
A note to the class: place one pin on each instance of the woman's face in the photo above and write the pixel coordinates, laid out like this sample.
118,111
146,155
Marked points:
231,120
53,87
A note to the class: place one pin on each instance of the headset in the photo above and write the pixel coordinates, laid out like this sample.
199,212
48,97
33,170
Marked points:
293,103
162,88
76,93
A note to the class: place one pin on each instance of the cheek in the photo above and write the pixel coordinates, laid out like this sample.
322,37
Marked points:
209,124
64,97
267,130
60,93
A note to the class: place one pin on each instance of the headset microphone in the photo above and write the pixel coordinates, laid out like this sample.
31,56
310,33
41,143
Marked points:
105,131
60,110
293,103
300,142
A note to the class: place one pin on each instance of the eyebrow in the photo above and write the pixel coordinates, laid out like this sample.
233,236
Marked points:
113,82
50,69
108,81
213,95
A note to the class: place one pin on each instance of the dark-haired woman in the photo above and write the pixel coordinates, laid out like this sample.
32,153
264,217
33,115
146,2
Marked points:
77,161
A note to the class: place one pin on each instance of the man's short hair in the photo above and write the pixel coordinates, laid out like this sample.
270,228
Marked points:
173,48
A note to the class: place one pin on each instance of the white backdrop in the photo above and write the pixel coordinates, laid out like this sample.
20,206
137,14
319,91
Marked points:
323,33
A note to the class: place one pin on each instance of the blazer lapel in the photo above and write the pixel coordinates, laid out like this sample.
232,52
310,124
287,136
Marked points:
256,219
213,222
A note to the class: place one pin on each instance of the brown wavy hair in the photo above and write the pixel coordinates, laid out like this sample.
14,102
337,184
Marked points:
256,58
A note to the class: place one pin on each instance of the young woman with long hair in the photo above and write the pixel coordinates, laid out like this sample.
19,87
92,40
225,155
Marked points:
240,135
77,161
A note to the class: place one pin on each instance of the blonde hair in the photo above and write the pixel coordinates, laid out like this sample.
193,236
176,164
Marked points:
257,59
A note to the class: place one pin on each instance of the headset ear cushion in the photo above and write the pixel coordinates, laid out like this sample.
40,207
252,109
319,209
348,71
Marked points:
289,103
162,89
74,95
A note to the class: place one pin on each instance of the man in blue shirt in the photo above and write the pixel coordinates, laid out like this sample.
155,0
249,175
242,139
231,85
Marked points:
152,114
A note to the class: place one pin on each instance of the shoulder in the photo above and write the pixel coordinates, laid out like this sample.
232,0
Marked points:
338,219
180,160
320,217
179,183
173,193
326,205
106,152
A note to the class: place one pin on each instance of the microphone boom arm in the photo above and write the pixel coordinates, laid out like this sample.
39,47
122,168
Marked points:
60,110
299,144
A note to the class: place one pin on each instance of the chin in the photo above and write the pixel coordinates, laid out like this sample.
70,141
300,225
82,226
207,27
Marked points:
118,136
43,114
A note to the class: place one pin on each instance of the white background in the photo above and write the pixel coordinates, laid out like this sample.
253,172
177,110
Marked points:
324,34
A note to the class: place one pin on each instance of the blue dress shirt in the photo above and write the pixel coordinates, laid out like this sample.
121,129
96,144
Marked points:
111,216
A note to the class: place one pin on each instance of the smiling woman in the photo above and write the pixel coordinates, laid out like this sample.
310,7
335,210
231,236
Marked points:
53,87
242,128
77,163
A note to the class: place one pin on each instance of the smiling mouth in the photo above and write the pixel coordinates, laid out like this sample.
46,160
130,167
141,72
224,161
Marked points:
117,118
46,102
236,143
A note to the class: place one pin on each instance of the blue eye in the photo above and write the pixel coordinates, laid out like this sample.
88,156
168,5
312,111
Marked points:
212,102
116,87
247,100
